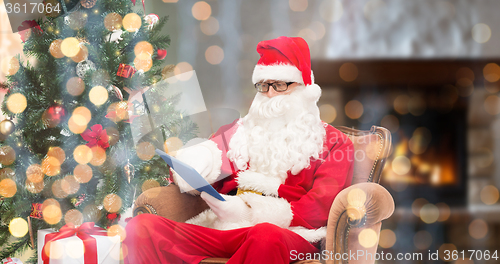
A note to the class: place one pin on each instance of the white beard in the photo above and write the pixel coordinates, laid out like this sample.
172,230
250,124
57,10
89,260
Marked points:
279,134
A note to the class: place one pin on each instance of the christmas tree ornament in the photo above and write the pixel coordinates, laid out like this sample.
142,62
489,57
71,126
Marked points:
51,166
36,210
143,50
115,36
116,92
132,22
145,150
98,95
88,3
55,49
7,127
161,54
82,154
173,144
143,65
8,188
16,103
57,190
53,115
113,21
125,70
70,46
57,153
10,65
27,28
12,260
75,86
70,185
18,227
77,201
96,136
112,203
73,216
34,173
152,20
7,155
82,173
7,173
82,54
129,171
84,66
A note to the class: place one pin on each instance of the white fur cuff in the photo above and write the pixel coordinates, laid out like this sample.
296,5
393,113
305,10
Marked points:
269,209
250,180
311,235
279,72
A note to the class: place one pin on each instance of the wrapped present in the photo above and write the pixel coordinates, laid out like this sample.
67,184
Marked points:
12,261
125,70
86,244
36,210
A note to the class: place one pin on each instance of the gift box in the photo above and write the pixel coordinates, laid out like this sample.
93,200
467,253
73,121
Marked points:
125,70
85,244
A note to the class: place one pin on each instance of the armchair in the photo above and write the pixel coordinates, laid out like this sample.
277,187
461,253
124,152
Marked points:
362,206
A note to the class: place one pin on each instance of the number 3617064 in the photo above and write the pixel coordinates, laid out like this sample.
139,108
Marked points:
32,8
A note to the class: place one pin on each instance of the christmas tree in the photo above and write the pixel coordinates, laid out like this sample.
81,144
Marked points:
67,152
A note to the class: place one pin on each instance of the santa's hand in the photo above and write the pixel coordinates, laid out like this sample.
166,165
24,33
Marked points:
234,209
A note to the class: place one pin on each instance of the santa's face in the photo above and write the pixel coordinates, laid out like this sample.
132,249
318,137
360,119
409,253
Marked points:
272,93
280,133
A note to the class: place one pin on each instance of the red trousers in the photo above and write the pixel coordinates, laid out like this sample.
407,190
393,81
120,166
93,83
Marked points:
154,239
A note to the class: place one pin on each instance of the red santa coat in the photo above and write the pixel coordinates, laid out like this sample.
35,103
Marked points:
301,203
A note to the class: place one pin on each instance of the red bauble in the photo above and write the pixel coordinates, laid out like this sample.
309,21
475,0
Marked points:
162,53
53,115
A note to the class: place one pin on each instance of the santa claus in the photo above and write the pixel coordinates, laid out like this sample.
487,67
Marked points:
279,169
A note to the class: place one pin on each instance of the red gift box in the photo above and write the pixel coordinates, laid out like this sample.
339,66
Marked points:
125,70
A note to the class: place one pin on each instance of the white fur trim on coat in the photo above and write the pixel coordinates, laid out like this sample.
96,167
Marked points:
205,157
311,235
269,209
279,72
250,180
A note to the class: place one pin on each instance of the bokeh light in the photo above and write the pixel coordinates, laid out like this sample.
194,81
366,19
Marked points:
444,212
73,216
429,213
442,255
214,54
98,156
112,203
387,238
491,72
298,5
34,187
422,240
417,205
70,185
368,238
82,154
183,67
113,21
98,95
390,122
51,211
83,173
481,33
82,54
57,189
331,10
57,153
348,72
51,166
201,10
172,144
8,188
420,140
210,26
145,150
489,195
132,22
74,249
478,229
75,86
354,109
319,29
143,50
492,105
55,49
148,184
416,106
84,115
401,165
327,113
16,103
70,47
10,65
117,230
18,227
401,104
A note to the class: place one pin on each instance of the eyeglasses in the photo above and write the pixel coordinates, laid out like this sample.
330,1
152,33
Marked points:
277,86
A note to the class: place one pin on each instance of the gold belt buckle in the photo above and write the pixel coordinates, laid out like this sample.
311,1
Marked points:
242,191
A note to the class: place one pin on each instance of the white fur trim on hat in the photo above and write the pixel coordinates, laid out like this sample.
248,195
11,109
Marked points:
279,72
269,209
250,180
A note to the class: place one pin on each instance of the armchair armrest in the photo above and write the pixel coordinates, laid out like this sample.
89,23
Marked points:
170,203
359,206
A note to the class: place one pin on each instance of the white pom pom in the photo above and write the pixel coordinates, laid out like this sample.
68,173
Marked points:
313,92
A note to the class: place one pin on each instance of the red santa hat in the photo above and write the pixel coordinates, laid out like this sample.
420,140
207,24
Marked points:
285,59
